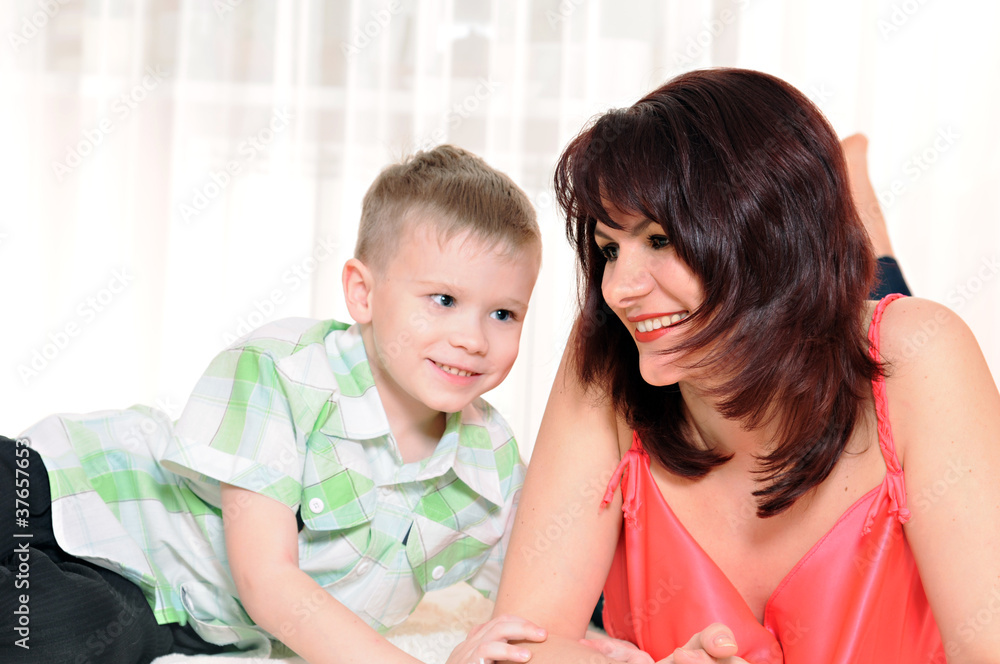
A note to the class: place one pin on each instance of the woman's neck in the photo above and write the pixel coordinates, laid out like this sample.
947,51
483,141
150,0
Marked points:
724,435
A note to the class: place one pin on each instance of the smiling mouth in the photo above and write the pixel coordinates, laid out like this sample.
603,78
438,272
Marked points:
453,370
651,324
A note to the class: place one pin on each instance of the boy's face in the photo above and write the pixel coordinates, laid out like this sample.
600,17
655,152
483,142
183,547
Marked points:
446,319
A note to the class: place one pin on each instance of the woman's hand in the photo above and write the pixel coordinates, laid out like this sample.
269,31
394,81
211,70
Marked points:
618,650
489,642
713,645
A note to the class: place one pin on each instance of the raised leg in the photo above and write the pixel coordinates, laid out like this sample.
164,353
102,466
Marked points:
856,152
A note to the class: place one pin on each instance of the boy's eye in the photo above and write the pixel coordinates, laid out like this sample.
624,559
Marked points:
658,241
503,315
443,300
609,251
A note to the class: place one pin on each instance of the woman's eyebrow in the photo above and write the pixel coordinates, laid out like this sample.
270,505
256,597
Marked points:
599,233
638,229
641,227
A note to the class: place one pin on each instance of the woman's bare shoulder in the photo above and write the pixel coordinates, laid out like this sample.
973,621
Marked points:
933,367
944,412
918,334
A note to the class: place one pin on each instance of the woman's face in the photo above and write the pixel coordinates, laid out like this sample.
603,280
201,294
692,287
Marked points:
650,289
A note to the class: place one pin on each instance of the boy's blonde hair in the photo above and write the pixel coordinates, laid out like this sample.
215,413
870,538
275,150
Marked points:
451,188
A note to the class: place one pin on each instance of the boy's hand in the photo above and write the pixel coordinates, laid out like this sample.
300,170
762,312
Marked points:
488,642
618,650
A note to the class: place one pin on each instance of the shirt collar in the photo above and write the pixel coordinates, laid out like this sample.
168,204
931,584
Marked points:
466,446
360,407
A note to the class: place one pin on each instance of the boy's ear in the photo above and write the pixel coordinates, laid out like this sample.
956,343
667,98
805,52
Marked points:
358,282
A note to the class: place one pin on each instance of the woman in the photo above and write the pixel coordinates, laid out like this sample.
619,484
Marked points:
789,471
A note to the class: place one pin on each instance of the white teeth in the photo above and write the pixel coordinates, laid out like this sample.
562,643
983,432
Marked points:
651,324
452,370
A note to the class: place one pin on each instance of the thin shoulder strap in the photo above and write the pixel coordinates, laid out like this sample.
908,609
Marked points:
893,484
878,385
628,467
636,442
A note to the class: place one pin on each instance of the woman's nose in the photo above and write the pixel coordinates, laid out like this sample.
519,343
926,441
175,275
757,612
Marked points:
625,279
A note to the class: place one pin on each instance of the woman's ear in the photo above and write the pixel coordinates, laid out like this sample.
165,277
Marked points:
358,282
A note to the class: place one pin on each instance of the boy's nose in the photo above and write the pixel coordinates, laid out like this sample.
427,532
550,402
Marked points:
470,336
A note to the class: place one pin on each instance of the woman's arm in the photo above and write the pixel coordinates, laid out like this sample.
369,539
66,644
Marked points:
563,541
945,414
262,545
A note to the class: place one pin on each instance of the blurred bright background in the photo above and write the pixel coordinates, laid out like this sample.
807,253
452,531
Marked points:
175,173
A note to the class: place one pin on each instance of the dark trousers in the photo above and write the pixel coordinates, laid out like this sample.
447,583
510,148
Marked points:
888,279
58,609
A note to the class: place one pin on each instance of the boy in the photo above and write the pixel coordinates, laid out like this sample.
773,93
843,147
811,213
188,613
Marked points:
322,477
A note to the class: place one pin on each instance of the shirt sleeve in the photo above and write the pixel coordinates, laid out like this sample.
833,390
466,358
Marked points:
238,428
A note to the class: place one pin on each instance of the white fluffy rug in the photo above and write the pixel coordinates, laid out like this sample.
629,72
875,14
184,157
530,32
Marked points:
439,623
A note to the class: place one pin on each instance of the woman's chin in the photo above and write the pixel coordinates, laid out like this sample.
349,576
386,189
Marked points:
660,376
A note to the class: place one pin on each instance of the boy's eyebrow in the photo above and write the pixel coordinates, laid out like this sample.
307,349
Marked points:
638,229
513,303
437,283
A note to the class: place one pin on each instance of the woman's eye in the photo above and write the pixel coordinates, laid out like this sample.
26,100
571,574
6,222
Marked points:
503,315
609,251
444,300
658,241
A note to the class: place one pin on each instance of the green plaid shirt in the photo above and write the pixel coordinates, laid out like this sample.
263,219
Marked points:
290,412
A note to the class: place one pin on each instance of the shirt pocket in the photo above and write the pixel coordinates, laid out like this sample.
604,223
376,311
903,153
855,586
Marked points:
338,530
441,556
337,487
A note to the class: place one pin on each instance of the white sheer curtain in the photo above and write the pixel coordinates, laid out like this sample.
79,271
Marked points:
174,174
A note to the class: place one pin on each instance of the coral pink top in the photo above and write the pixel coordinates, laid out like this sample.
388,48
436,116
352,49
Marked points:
855,597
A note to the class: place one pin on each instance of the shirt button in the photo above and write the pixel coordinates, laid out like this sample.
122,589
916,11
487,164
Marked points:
316,505
438,572
362,567
385,491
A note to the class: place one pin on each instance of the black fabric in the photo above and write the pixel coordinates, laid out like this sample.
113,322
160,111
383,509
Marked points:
597,619
70,610
888,279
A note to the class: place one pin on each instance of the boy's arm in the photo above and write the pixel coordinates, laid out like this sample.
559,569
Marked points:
262,545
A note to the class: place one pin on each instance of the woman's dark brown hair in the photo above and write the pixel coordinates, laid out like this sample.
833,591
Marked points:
748,181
